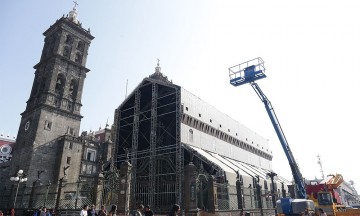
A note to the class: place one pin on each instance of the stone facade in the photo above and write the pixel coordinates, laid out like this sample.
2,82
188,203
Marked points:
48,147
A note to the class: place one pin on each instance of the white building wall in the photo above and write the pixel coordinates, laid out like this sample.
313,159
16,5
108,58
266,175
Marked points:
200,110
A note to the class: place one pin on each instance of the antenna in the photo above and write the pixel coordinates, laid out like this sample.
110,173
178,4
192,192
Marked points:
321,169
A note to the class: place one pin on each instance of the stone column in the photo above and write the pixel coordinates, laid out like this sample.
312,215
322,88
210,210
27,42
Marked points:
190,194
213,194
124,188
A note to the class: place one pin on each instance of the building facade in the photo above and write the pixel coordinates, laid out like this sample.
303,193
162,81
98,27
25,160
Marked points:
173,139
48,147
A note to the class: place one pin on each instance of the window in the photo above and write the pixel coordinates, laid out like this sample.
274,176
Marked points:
83,168
66,52
48,125
199,115
191,135
187,109
78,58
69,39
60,84
81,46
68,160
70,145
71,131
90,155
73,89
88,169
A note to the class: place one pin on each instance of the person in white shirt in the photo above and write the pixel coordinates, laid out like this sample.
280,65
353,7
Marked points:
84,211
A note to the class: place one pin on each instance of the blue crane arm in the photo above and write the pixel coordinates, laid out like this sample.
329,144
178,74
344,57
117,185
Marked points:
301,191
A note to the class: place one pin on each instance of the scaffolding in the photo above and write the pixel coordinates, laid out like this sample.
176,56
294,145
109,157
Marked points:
148,124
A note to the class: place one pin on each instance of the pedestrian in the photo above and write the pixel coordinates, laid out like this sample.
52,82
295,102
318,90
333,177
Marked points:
91,211
306,212
84,211
12,212
148,211
1,213
102,211
43,211
37,211
112,211
322,212
49,212
175,210
139,210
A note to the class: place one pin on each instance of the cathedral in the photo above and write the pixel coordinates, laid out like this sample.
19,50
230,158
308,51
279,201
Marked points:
166,146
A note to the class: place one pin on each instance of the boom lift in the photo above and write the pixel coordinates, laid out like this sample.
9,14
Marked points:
249,72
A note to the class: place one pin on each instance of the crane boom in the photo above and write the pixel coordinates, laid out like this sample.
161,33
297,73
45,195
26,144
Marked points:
301,191
249,72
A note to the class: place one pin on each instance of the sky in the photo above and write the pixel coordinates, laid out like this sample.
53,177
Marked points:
310,48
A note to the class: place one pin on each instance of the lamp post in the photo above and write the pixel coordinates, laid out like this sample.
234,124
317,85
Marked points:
272,175
20,177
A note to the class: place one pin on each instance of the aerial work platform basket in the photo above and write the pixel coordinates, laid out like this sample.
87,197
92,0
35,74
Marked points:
247,72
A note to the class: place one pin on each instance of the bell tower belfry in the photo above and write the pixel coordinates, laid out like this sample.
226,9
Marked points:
53,108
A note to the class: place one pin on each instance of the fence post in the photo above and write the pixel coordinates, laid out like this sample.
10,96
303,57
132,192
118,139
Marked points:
98,190
239,183
47,192
77,192
58,194
258,195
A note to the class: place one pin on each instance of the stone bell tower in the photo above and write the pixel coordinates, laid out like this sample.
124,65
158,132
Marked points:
53,108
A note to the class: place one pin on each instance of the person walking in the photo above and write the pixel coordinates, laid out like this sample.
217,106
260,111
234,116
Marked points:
112,211
84,211
139,210
102,211
43,211
12,212
175,210
148,211
91,211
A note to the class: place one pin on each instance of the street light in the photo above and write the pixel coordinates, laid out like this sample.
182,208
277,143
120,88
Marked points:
272,175
20,177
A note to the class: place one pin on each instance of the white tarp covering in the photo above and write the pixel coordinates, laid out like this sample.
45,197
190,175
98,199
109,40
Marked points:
230,166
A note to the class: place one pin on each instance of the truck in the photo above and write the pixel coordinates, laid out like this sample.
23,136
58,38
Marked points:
326,195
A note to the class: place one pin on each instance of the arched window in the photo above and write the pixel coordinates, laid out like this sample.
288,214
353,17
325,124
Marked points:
60,84
66,52
73,89
81,46
69,39
78,58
